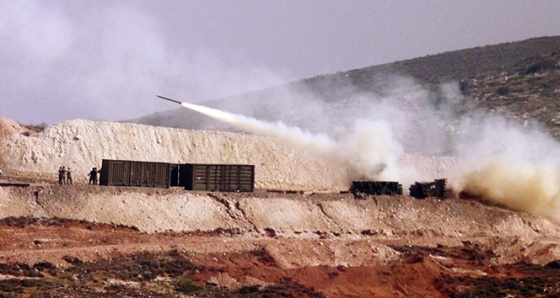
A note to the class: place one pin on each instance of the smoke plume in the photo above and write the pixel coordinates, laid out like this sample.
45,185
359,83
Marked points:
368,152
510,164
516,183
496,159
101,61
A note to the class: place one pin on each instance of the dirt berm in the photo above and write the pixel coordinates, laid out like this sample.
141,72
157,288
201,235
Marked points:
81,145
312,216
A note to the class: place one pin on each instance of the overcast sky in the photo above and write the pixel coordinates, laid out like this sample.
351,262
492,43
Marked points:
106,60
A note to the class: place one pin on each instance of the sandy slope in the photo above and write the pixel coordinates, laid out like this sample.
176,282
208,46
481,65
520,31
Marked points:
81,145
9,127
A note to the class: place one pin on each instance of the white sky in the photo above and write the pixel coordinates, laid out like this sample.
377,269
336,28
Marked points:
106,60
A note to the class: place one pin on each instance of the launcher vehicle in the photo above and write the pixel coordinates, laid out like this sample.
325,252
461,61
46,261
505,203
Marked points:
364,188
422,190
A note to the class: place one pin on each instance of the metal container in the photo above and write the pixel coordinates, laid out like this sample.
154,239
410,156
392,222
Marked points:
217,177
135,173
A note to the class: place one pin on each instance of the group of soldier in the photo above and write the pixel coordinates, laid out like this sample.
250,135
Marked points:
64,175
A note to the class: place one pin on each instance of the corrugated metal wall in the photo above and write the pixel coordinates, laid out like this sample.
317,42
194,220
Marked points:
135,173
215,177
198,177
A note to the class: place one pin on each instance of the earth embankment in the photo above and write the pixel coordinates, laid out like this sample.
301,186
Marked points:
299,216
81,145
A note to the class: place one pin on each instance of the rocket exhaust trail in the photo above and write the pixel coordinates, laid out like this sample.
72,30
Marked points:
353,154
249,123
278,130
213,113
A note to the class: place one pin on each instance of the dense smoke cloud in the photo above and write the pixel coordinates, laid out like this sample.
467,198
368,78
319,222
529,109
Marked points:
516,183
502,161
364,133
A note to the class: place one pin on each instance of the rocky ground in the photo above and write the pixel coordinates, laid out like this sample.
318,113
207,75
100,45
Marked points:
94,241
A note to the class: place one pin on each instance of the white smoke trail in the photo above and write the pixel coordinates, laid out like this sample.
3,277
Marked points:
369,151
294,136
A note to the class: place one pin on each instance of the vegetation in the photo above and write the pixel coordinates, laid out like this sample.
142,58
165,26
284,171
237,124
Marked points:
24,221
138,275
543,283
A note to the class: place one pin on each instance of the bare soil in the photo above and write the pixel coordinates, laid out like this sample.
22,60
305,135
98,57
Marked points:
55,257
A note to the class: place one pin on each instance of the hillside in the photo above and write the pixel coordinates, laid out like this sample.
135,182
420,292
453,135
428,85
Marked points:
517,79
104,241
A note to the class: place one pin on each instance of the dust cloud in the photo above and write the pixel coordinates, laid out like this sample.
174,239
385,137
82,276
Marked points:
517,184
510,164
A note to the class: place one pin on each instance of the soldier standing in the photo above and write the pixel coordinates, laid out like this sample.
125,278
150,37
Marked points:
63,175
93,176
60,175
68,176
